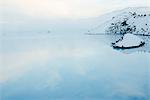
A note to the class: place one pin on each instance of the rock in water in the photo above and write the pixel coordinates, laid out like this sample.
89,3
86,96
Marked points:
129,41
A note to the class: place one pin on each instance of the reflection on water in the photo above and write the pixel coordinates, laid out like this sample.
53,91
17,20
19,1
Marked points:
68,68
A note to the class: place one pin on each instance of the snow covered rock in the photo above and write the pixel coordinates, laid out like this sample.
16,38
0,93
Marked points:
129,41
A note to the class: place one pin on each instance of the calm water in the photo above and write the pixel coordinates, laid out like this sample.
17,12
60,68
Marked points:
71,68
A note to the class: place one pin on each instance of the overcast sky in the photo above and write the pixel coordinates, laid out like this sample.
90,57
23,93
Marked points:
66,8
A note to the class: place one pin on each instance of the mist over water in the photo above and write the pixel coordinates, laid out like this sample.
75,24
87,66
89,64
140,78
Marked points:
69,67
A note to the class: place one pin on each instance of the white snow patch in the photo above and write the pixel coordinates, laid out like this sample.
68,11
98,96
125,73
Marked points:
129,40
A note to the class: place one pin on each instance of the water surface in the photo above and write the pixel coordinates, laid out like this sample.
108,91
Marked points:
71,68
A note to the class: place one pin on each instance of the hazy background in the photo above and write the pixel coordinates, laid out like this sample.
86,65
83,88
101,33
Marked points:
64,8
39,16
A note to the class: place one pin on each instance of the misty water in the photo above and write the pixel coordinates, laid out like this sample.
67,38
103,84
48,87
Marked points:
72,68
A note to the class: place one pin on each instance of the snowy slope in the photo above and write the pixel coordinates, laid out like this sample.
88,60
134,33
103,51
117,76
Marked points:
132,20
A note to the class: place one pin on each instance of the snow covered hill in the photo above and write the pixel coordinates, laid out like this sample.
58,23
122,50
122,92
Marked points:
131,20
134,20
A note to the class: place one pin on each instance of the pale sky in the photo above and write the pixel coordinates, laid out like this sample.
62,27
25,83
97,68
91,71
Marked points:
67,8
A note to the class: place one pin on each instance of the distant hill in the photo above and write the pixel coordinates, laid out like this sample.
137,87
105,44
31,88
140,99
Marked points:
132,20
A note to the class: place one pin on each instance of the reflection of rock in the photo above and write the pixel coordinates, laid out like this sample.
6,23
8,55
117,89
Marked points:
128,41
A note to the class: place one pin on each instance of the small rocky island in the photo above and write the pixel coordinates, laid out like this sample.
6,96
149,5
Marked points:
128,41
